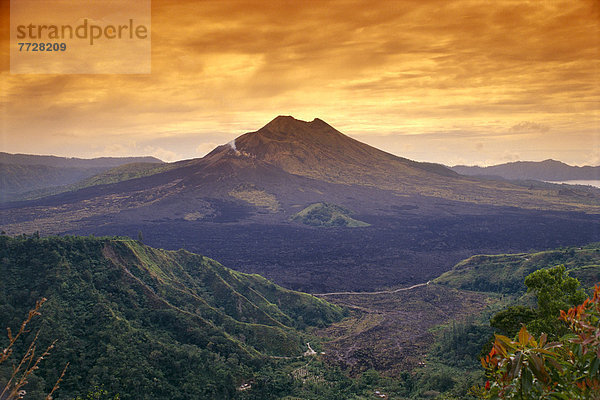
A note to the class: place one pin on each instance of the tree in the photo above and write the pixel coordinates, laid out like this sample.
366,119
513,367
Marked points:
98,394
555,291
509,321
568,369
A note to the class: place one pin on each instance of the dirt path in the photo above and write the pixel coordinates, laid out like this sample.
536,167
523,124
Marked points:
374,293
307,353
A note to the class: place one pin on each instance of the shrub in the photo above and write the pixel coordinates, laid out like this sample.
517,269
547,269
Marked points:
28,364
567,369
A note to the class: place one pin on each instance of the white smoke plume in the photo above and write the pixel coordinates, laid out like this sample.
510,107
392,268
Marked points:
232,144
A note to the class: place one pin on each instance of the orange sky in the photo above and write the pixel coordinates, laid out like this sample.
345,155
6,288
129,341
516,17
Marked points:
464,81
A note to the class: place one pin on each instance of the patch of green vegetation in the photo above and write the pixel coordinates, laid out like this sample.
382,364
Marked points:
327,215
255,196
143,322
138,322
512,282
505,274
123,173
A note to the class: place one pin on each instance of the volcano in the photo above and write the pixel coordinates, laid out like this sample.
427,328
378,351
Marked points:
270,174
317,150
315,210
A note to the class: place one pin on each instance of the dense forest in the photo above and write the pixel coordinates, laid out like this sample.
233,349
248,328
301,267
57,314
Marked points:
144,322
129,321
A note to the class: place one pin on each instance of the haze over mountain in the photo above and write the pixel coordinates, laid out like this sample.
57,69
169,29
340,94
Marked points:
403,221
26,175
547,170
72,162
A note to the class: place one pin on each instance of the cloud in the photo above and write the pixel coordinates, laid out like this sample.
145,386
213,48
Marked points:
132,149
593,159
510,157
528,126
434,68
162,154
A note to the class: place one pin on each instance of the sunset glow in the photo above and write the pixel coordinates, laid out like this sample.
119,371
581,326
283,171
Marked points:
464,81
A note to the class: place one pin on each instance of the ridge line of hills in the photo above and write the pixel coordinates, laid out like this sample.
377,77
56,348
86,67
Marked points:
25,176
547,170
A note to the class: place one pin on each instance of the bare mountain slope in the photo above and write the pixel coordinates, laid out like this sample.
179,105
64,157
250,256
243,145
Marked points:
547,170
271,174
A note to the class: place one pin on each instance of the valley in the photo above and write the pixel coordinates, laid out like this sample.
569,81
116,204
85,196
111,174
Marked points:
401,330
392,252
260,338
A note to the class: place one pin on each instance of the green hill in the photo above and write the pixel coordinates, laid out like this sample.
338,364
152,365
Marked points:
149,323
506,273
123,173
329,215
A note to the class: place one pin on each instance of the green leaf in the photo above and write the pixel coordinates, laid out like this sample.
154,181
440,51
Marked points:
594,367
527,382
516,365
537,367
506,342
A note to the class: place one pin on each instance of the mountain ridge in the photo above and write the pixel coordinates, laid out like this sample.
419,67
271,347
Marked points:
315,149
66,162
26,176
546,170
295,163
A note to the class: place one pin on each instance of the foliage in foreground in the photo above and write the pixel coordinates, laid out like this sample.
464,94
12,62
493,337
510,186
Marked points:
23,368
567,369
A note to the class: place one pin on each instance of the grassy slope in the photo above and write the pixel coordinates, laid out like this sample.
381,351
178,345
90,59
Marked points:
505,274
148,322
123,173
324,214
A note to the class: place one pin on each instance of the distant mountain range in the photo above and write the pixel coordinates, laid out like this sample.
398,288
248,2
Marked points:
548,170
72,162
30,176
